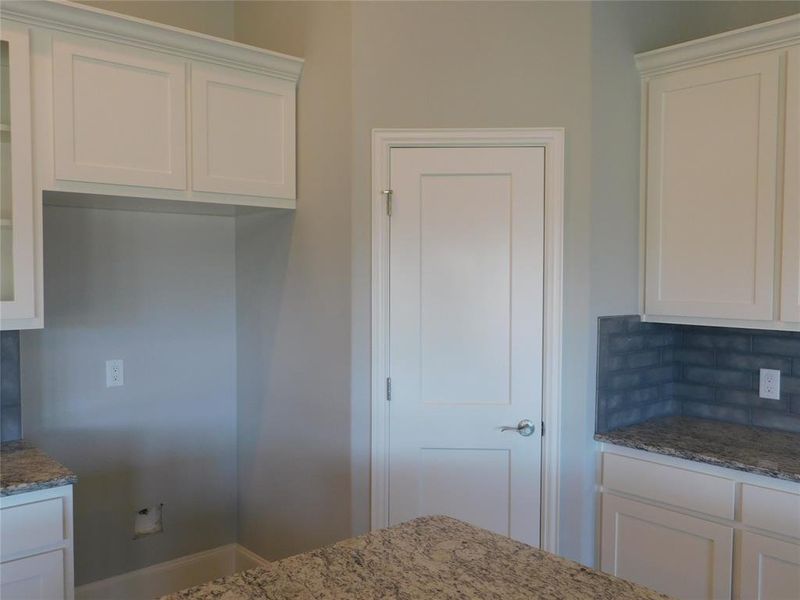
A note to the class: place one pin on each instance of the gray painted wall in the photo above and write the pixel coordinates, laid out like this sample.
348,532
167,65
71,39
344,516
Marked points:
158,291
479,64
293,290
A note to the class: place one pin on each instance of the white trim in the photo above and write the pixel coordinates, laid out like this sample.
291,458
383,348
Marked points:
552,140
173,575
756,38
111,26
713,322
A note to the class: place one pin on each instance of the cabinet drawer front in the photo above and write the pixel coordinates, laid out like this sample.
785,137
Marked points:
689,490
771,510
31,526
119,115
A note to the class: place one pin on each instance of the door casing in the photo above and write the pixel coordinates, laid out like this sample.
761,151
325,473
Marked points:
552,140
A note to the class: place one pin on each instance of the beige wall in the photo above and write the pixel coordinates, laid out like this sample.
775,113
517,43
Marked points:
212,17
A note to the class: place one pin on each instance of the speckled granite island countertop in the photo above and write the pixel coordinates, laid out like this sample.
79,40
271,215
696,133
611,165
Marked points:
25,468
753,449
435,558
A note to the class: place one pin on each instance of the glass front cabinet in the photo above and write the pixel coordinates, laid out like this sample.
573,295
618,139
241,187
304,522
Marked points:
18,215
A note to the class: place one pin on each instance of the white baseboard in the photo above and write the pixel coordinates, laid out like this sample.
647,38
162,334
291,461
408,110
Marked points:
167,577
247,559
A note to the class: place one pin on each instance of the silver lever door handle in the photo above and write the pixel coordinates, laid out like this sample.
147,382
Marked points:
524,428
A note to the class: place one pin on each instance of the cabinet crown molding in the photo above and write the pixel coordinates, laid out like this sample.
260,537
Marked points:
761,37
73,18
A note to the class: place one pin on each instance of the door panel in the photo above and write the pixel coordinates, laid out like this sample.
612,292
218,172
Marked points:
119,115
711,189
466,302
464,289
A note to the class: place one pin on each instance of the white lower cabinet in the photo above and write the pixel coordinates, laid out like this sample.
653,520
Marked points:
769,569
36,557
670,524
40,576
675,554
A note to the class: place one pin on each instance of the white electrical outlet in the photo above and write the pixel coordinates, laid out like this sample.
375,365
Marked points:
769,384
115,376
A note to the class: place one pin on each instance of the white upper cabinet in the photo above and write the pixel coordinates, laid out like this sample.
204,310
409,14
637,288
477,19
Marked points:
20,239
711,156
790,289
126,109
244,133
119,114
715,137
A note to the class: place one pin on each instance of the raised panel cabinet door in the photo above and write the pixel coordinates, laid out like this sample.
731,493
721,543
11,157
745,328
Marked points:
681,556
769,569
712,151
790,282
39,577
18,235
243,131
119,114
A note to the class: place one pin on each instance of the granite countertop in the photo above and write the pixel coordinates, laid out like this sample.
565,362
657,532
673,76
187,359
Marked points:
25,468
753,449
431,557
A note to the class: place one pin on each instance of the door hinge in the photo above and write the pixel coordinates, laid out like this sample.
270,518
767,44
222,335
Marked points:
542,429
388,389
388,194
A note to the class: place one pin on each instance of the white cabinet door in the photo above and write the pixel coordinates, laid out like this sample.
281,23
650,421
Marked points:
119,114
790,284
681,556
39,577
243,131
18,226
712,141
769,569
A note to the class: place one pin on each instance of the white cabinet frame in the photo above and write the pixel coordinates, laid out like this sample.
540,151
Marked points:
26,243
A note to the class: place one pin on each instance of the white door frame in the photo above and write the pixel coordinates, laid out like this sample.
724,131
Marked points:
552,140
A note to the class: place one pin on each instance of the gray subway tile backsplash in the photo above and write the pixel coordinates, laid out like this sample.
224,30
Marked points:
645,370
10,398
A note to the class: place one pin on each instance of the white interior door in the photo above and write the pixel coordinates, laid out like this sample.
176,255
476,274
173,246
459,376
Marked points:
466,309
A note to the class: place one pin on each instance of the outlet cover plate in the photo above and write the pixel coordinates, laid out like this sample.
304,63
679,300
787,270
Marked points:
769,384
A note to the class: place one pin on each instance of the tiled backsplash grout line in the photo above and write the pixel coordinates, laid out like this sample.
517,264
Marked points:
701,371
